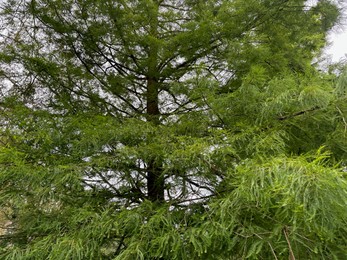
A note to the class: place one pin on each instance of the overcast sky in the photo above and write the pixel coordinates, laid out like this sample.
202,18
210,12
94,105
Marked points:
338,37
338,48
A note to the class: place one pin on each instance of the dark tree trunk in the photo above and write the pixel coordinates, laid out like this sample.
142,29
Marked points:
155,182
155,178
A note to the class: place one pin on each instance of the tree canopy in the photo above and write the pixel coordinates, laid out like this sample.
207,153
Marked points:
162,129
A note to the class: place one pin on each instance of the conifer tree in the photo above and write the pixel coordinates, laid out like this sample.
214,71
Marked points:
161,129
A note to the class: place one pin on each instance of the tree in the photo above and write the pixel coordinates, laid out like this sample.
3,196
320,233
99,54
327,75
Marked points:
170,130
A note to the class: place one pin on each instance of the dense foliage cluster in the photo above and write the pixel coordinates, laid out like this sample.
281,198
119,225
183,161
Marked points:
170,129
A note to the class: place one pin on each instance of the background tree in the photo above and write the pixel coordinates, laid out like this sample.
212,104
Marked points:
170,130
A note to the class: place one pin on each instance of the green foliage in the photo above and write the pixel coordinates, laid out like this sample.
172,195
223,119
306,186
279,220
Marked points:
170,130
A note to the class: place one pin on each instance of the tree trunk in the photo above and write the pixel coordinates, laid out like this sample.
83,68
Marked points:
155,178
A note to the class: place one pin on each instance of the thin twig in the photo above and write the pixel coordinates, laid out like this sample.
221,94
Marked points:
291,253
272,250
281,118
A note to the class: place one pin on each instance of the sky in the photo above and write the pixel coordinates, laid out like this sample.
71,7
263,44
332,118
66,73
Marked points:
338,47
338,37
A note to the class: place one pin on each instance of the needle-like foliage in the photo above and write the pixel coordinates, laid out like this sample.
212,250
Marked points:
149,129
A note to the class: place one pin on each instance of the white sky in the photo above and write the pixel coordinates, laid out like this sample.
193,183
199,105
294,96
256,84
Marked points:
338,48
338,37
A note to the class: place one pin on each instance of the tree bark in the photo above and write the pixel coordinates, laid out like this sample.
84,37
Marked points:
155,178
